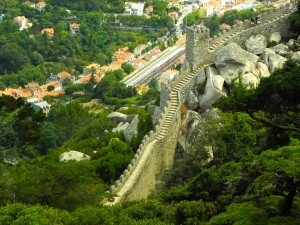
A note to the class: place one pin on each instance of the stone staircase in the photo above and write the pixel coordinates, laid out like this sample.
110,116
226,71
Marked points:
154,139
175,102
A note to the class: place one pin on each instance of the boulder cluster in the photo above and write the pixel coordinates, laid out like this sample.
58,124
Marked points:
128,124
249,66
232,63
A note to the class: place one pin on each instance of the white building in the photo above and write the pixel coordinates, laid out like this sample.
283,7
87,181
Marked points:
23,22
132,8
170,74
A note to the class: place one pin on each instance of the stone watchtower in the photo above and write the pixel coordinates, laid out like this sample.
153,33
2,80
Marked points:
197,44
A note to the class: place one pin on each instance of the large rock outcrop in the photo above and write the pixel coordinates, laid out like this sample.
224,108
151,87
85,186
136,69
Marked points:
232,61
189,131
120,117
256,44
73,155
192,100
263,69
132,129
273,60
296,56
121,127
275,37
281,49
250,80
213,89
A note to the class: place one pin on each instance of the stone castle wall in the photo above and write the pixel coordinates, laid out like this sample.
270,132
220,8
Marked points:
155,155
270,22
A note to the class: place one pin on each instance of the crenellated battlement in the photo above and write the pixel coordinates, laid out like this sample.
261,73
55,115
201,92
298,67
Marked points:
200,47
155,153
197,40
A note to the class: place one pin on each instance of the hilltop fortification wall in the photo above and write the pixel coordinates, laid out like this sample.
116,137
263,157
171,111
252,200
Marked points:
157,150
201,48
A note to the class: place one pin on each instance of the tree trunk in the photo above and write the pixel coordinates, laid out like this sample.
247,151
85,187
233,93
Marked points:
287,206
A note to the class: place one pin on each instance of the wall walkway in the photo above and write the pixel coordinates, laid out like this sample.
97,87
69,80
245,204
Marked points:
157,150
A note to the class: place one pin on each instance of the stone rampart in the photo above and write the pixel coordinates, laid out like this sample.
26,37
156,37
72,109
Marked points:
201,49
157,150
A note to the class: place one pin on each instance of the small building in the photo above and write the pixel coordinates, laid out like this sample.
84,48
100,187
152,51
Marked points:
33,88
136,63
133,8
74,29
40,6
104,70
23,22
32,100
65,75
48,31
151,55
117,64
170,74
139,49
84,79
122,54
44,106
57,86
16,93
91,68
1,16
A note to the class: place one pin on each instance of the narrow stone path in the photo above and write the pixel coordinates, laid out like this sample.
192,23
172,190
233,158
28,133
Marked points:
223,41
175,103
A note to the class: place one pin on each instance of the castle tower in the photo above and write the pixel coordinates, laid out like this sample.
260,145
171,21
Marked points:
197,44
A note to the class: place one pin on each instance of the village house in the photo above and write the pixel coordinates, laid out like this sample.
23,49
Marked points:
57,86
116,64
91,68
16,93
33,88
48,31
136,63
169,75
104,70
139,49
151,55
40,6
122,54
1,16
65,76
32,100
44,106
74,29
133,8
84,79
23,22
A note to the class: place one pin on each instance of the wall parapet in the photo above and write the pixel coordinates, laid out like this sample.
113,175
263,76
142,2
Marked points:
206,47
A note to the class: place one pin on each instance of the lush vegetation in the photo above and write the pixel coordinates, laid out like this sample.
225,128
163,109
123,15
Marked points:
253,177
29,55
